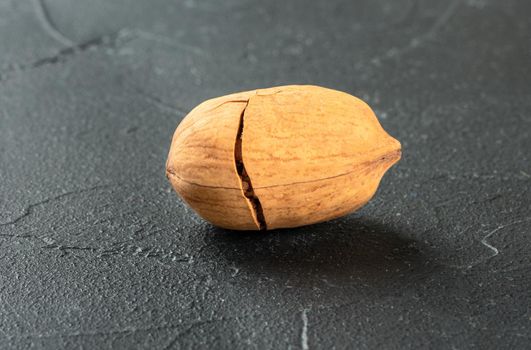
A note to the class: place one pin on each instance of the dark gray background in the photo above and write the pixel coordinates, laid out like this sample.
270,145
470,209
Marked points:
96,251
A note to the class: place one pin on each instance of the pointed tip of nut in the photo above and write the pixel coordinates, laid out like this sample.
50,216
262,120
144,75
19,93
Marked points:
396,150
393,155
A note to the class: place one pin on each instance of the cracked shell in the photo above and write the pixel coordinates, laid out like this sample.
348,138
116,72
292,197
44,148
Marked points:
280,157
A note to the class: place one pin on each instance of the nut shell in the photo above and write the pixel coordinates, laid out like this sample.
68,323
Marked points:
280,157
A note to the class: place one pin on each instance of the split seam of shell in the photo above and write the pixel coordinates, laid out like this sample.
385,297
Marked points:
245,181
389,156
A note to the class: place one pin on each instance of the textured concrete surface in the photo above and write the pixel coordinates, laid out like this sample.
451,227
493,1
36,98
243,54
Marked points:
96,251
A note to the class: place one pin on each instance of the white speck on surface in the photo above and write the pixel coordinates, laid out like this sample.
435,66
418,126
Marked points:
48,240
235,272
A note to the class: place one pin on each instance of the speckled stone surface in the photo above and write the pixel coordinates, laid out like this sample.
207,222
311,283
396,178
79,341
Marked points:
96,251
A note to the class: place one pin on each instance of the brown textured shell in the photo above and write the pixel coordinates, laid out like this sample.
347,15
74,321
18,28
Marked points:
280,157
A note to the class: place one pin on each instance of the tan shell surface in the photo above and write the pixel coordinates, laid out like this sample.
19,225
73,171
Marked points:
309,154
201,165
306,133
306,203
202,149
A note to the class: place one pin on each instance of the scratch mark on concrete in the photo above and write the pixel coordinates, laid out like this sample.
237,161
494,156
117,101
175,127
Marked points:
145,252
158,102
442,19
169,42
491,247
41,11
178,336
72,50
422,38
474,176
304,332
484,242
29,209
410,13
126,330
109,40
